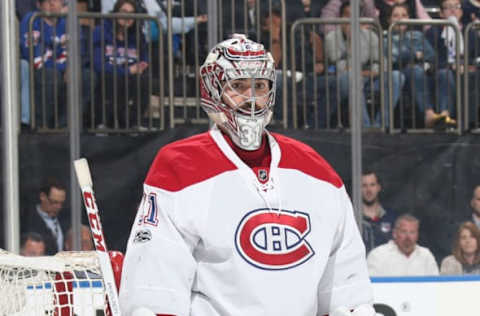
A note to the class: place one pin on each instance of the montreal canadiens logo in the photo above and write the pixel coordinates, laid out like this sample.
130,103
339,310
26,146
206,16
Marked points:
273,240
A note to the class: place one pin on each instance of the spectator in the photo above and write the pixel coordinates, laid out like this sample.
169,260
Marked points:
338,51
412,54
443,40
272,34
304,9
252,15
311,64
314,42
402,256
179,24
95,6
44,218
312,10
82,7
86,26
310,60
157,8
471,11
377,223
465,257
86,239
23,7
121,62
49,41
475,204
415,8
49,58
333,10
271,25
32,245
243,18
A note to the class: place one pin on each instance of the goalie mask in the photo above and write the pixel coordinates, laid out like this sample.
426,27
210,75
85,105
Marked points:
238,89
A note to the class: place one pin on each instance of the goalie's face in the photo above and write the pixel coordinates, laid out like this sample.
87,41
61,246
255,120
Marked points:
247,96
238,89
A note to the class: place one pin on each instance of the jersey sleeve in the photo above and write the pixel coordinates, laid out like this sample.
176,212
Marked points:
159,267
345,281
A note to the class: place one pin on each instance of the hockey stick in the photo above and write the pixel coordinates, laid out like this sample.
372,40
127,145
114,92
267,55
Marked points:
85,181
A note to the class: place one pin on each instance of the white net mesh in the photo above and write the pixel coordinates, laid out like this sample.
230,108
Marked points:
67,284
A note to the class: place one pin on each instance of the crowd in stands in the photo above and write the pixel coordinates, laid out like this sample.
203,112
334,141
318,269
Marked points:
118,66
391,239
421,57
113,56
121,67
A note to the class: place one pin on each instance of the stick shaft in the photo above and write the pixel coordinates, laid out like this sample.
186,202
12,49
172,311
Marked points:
99,241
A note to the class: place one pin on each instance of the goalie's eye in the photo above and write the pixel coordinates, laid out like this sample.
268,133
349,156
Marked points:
237,85
259,87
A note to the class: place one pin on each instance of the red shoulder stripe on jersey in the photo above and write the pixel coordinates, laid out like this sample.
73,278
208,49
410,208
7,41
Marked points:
297,155
186,162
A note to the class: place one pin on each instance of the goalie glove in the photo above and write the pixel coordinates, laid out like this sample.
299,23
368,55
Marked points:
361,310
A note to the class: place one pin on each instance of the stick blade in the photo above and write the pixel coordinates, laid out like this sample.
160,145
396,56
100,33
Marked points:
83,172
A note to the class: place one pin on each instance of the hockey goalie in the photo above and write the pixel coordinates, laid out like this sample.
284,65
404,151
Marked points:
241,221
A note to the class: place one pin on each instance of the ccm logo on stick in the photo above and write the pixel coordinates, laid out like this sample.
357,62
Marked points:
274,240
94,222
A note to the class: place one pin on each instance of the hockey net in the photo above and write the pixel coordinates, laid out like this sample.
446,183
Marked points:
67,284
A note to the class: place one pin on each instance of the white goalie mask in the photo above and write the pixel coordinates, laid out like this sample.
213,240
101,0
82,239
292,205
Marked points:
238,89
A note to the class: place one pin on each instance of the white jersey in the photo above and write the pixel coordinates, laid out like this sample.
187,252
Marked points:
213,238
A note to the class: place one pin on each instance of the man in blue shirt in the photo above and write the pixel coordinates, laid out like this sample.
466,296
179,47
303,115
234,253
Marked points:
377,223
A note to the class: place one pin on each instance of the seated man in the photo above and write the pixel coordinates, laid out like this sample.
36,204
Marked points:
45,51
443,40
44,217
86,239
332,9
337,48
309,81
402,256
49,51
32,245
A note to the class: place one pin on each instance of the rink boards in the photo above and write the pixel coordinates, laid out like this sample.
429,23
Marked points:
394,296
433,296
